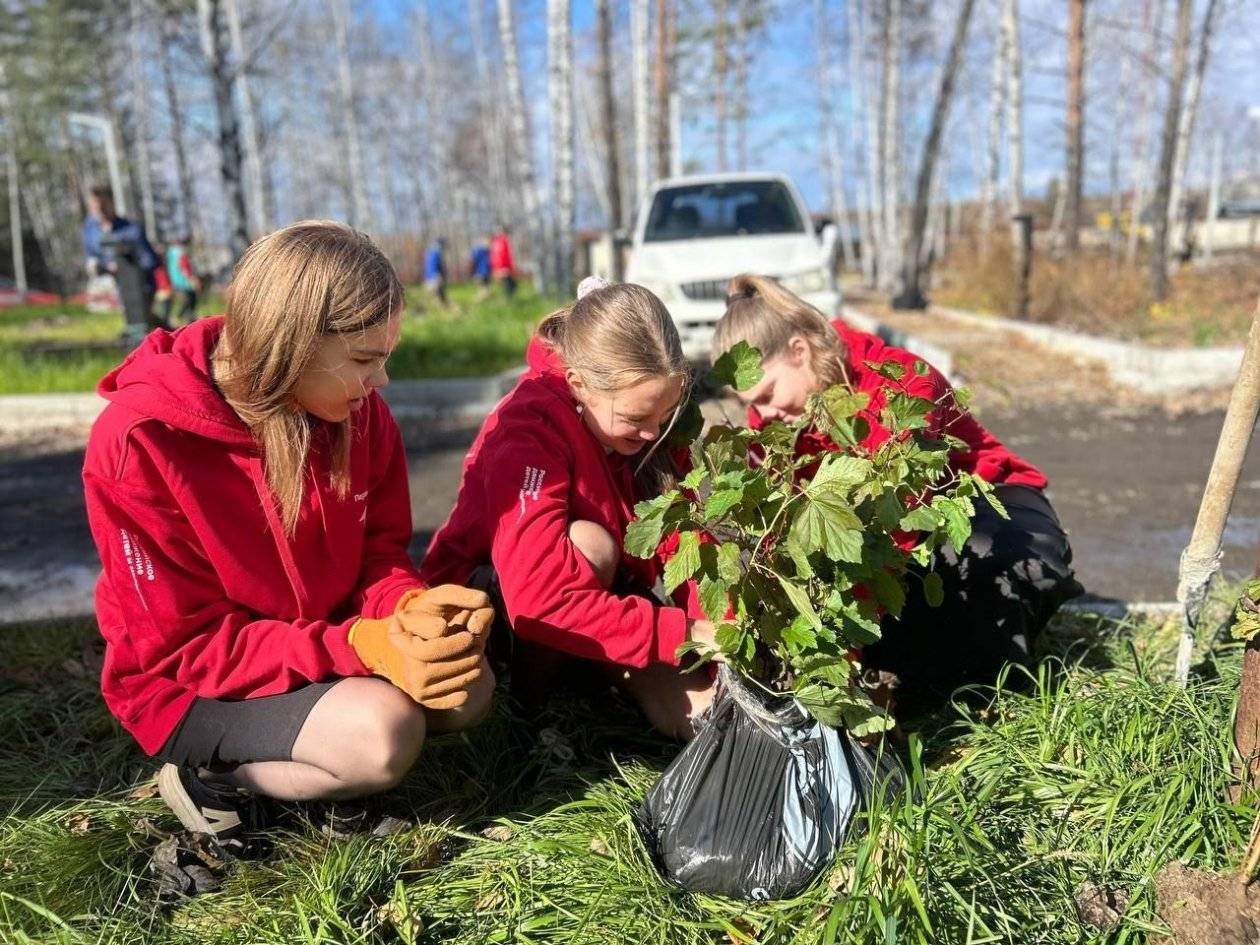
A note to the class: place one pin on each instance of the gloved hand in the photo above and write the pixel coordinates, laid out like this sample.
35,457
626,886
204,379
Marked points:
453,605
417,654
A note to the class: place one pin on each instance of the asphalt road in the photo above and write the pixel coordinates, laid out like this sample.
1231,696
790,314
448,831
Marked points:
1126,485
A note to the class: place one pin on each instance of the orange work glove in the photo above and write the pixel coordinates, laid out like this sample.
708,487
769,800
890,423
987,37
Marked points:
453,605
420,657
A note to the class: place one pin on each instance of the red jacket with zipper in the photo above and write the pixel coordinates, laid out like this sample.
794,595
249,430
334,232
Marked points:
534,468
985,455
201,592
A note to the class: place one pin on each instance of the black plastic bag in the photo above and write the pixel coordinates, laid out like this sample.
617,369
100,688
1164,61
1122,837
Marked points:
756,805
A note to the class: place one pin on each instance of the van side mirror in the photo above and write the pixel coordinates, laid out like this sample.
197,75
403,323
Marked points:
829,240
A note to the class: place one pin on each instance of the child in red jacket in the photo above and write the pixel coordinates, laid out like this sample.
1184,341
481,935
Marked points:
548,489
1012,574
247,492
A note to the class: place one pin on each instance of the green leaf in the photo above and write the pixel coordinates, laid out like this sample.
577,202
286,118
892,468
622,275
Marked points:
909,412
840,470
921,367
722,501
799,599
957,521
799,558
841,402
888,509
713,598
826,668
894,370
920,518
827,523
933,589
825,703
739,367
729,567
888,591
986,490
643,535
730,638
799,635
685,562
695,478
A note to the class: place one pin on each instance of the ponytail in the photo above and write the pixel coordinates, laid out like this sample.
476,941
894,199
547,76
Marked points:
761,312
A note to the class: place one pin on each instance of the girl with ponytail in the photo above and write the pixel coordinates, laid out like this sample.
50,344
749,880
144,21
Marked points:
1011,576
548,489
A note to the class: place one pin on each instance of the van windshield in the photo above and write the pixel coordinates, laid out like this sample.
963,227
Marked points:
728,208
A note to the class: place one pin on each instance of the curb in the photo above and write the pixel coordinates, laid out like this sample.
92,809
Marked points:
408,399
939,358
1149,370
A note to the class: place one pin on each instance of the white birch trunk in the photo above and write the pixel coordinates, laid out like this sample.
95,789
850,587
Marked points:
489,111
259,213
140,101
214,43
639,95
359,212
1214,199
831,146
1185,126
864,114
8,112
560,96
522,145
1145,140
1014,105
992,157
890,257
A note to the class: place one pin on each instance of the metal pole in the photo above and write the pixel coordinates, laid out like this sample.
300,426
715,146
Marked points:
1202,557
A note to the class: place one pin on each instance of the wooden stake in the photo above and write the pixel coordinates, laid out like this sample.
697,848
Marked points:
1201,558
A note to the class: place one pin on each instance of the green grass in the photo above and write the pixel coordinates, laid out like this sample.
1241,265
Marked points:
1101,770
471,338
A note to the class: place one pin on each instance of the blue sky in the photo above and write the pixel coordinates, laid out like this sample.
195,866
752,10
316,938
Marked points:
783,133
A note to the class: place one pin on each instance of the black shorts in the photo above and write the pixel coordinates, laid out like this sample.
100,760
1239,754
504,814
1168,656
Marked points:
220,734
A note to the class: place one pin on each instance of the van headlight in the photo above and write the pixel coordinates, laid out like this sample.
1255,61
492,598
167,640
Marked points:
811,280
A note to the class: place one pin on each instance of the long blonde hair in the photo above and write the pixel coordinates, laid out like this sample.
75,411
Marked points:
291,288
767,316
615,337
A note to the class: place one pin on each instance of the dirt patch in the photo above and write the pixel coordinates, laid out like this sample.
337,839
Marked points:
1006,371
1203,908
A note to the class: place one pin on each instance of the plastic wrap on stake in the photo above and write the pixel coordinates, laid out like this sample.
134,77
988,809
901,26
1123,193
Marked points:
756,805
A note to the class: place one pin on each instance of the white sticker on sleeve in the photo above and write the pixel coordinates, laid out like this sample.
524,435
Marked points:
139,564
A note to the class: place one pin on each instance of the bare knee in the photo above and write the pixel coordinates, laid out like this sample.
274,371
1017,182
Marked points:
377,736
673,701
471,713
598,547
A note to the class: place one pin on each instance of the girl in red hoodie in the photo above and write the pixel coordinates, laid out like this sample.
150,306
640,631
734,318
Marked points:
247,493
548,489
1012,574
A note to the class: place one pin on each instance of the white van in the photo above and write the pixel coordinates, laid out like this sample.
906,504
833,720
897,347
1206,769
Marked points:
694,233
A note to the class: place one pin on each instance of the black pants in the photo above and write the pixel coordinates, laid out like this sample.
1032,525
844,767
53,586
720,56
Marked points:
1000,592
185,307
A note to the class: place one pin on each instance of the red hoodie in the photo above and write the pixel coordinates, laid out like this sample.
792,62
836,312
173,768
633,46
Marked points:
201,593
985,457
534,468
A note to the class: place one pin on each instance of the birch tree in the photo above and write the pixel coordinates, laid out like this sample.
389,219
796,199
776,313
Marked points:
8,114
890,158
1075,125
1145,144
830,145
214,43
993,145
639,85
560,99
721,68
914,267
1185,125
260,215
663,72
1015,144
608,100
1167,155
860,105
522,148
189,209
359,211
488,111
140,106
